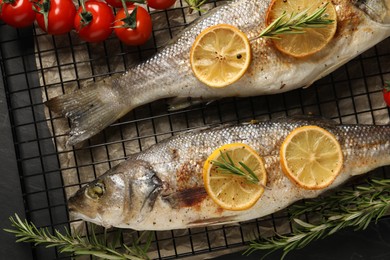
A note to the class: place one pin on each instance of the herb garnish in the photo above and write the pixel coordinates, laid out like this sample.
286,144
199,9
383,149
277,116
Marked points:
295,23
347,208
195,5
227,166
387,85
96,245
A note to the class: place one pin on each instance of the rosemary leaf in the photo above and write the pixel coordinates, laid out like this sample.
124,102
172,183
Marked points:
229,158
116,239
303,224
253,176
148,242
335,229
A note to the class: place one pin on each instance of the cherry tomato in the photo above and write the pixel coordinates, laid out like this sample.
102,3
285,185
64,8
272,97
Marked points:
61,15
17,13
99,27
118,3
160,4
141,33
386,93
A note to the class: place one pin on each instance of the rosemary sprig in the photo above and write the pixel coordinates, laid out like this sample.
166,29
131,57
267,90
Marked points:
227,166
296,23
348,208
98,246
195,5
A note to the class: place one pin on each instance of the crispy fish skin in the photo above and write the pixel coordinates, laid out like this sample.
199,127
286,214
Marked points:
360,25
162,188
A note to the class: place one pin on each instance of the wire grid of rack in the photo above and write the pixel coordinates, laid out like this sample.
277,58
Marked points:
352,94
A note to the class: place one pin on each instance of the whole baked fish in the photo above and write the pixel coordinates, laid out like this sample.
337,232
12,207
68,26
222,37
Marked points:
361,25
162,188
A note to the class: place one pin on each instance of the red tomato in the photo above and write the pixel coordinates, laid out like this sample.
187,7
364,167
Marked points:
17,13
61,15
386,95
118,3
142,31
100,25
160,4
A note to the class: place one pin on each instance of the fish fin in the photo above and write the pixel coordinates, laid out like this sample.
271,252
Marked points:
152,196
178,103
317,119
212,221
186,198
309,119
90,109
328,70
215,126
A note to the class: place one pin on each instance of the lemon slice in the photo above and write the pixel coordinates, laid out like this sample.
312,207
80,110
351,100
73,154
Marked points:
314,39
311,157
232,191
220,55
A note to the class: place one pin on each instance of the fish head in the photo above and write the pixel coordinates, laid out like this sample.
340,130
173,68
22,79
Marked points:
125,194
377,10
100,200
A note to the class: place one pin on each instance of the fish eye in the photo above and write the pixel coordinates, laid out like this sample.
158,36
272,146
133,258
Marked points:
96,190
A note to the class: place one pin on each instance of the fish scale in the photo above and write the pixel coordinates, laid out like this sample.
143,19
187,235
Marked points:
162,187
360,25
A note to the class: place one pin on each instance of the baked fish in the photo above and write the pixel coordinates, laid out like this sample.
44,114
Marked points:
361,25
162,187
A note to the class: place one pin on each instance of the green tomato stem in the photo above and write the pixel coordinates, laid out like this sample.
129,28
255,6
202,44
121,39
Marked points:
125,8
85,16
130,21
44,9
82,3
387,85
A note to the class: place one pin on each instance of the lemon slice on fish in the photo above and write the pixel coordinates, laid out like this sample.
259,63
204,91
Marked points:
234,191
314,39
311,157
220,55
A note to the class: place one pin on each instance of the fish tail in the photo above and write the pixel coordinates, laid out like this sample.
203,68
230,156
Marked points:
90,109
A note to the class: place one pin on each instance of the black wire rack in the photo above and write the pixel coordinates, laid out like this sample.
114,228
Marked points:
352,94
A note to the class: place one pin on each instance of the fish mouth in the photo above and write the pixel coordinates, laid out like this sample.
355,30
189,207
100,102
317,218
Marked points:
98,220
76,204
76,212
72,208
